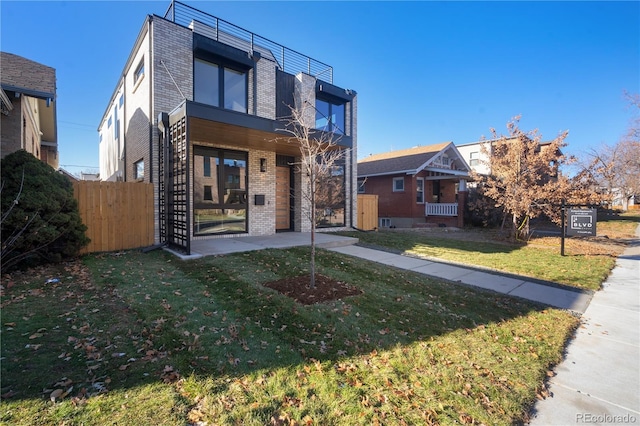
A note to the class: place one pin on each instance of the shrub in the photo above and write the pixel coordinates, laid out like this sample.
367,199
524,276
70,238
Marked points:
40,218
482,211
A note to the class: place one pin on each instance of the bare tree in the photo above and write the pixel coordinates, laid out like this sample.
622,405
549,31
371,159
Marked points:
616,168
525,179
319,158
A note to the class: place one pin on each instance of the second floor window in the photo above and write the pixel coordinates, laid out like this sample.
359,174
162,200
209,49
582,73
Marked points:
474,159
330,116
139,72
220,86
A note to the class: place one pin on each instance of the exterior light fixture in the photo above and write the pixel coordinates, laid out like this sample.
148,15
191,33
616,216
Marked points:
263,165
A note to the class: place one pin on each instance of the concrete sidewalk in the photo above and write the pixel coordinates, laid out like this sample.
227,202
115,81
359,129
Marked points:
560,297
599,380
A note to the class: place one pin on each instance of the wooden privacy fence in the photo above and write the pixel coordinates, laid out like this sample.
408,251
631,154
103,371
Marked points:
118,215
367,212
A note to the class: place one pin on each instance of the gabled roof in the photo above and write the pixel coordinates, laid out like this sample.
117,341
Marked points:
409,161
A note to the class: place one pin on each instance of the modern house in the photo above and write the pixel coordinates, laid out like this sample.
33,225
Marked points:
200,112
420,186
28,108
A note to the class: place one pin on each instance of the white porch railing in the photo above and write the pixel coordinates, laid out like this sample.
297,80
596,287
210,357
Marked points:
441,209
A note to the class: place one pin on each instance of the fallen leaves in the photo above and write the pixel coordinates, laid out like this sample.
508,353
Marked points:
169,375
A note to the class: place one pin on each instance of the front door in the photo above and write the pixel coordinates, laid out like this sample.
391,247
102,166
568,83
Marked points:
283,198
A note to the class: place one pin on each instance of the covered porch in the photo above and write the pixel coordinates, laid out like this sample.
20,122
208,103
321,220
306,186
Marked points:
447,213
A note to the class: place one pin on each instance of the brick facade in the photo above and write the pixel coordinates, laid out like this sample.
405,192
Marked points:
30,88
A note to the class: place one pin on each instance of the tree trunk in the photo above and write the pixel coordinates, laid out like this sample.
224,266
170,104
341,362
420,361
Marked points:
312,266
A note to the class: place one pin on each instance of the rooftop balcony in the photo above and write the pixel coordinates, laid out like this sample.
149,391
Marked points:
288,60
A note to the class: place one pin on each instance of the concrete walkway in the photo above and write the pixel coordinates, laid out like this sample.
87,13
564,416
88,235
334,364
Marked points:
218,246
599,380
560,297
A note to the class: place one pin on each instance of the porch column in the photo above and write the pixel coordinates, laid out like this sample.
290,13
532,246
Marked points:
462,202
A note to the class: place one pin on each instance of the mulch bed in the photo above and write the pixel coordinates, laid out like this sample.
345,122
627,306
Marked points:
325,290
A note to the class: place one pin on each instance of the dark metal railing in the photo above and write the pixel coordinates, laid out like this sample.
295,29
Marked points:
288,60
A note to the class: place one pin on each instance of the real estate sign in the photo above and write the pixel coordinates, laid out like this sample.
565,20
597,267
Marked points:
582,222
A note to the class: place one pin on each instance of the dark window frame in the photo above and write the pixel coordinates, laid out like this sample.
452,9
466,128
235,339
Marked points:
223,184
223,65
330,125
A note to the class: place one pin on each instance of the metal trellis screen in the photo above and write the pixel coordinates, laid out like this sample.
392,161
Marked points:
174,188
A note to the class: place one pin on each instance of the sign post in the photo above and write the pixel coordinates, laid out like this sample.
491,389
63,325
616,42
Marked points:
564,228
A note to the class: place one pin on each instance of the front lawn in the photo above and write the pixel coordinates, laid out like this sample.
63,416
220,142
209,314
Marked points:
135,338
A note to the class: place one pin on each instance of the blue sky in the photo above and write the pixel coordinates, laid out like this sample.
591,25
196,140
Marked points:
425,72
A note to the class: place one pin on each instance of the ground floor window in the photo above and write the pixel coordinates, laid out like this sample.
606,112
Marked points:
330,197
420,190
219,191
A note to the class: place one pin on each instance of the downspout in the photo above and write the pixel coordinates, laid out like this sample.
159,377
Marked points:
353,224
256,57
124,128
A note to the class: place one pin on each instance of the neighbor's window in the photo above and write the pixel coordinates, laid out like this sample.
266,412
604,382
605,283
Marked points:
217,85
385,222
330,116
420,190
139,72
398,184
361,188
474,159
206,166
208,193
138,169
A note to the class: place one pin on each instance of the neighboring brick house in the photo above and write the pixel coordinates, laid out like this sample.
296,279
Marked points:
196,112
28,108
420,186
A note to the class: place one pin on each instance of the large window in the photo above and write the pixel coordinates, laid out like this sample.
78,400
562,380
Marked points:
330,116
218,85
206,83
235,90
219,191
330,197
